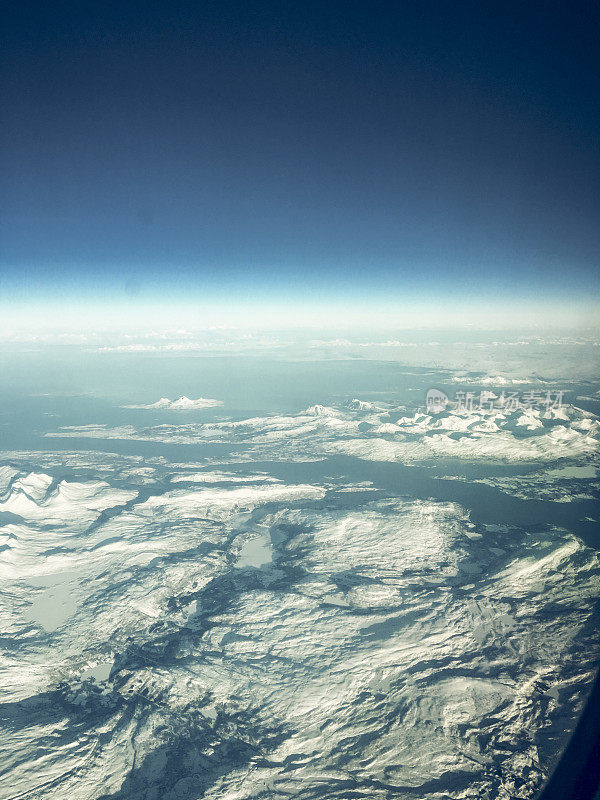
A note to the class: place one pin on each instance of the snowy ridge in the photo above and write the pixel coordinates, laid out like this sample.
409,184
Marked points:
367,432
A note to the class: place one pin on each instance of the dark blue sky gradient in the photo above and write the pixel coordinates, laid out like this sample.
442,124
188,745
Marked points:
370,145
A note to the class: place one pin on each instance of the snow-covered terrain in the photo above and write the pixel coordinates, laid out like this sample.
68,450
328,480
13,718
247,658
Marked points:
352,599
388,645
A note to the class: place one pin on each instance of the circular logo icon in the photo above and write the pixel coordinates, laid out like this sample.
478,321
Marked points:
435,401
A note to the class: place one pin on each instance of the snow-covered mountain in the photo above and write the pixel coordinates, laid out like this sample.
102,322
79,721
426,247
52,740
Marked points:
181,404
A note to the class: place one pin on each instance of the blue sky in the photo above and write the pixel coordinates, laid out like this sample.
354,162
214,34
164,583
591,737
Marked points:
300,153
